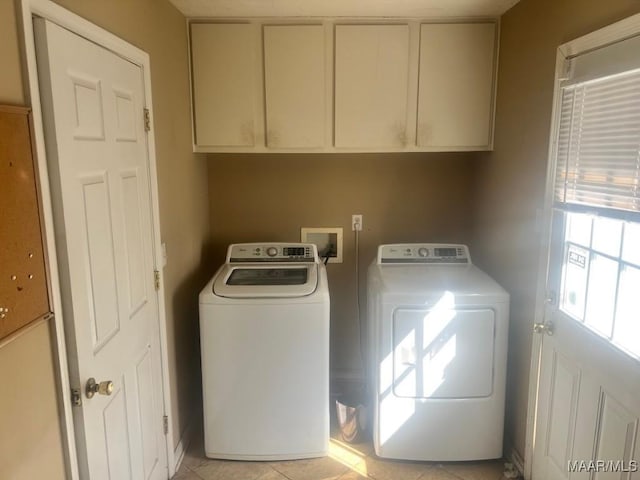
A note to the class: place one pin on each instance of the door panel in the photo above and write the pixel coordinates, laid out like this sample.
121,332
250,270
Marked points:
457,65
116,438
371,85
87,102
565,381
294,75
617,431
125,115
588,406
93,104
223,59
144,383
133,228
98,249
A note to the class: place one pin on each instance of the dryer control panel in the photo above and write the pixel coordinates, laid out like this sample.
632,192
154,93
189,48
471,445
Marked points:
430,253
272,252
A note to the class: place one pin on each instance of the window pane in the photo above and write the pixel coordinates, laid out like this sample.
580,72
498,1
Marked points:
607,234
603,276
631,244
627,327
579,229
575,281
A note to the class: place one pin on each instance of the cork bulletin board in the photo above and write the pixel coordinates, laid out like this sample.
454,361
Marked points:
23,284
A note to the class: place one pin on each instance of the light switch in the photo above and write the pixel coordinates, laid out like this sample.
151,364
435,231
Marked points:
164,254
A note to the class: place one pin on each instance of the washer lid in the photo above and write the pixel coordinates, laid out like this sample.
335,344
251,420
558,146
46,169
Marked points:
266,280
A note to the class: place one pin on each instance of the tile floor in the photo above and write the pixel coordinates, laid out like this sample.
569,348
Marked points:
345,462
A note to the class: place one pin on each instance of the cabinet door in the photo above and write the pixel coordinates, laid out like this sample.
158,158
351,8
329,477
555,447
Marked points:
294,69
371,85
456,85
224,84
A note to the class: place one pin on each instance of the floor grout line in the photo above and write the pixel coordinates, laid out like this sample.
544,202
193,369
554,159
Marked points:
190,470
279,472
442,467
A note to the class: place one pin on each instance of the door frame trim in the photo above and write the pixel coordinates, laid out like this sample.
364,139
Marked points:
612,33
65,18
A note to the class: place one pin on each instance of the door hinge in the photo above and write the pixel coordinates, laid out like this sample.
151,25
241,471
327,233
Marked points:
165,424
156,279
76,397
147,120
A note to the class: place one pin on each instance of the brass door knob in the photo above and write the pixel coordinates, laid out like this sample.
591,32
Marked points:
545,327
102,388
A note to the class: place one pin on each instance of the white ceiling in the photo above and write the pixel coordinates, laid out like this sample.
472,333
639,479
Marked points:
343,8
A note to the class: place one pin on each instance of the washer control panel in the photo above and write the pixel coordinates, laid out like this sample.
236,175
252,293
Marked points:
438,253
272,252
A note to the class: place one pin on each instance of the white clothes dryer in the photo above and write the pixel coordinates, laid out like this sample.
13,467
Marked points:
264,332
437,354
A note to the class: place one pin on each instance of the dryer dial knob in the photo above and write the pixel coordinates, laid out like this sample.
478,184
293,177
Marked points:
272,251
423,252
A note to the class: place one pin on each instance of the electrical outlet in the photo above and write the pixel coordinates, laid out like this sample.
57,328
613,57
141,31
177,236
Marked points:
356,223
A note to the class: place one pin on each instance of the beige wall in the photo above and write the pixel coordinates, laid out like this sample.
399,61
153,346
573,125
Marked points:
11,91
30,431
158,28
511,181
403,198
30,435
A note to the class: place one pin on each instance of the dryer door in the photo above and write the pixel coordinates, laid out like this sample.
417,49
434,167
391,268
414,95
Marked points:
443,353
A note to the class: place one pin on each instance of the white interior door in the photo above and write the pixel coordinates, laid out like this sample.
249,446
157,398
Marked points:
93,104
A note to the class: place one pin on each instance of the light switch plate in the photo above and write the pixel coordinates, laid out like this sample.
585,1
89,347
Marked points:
164,254
325,238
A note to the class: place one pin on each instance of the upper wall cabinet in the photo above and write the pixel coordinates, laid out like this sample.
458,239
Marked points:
295,86
224,64
371,86
338,85
455,100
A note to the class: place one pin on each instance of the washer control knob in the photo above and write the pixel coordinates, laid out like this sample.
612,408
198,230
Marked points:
272,251
423,252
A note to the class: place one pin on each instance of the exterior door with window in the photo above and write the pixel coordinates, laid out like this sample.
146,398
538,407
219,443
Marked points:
588,406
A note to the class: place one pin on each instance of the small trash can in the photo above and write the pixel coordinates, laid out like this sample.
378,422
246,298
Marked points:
352,418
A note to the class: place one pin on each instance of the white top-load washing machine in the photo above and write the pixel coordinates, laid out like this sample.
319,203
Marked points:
437,354
264,331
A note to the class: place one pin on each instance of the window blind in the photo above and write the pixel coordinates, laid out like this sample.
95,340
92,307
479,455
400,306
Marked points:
598,144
